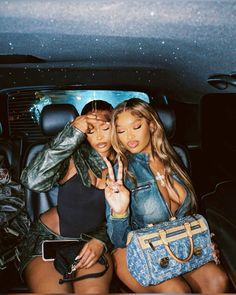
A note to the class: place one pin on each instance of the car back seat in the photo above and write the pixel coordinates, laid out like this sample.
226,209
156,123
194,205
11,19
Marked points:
219,206
53,119
168,119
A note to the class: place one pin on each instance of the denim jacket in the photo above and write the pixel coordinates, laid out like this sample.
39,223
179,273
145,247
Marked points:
147,206
51,164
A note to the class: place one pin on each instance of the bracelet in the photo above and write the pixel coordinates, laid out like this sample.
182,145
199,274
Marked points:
117,215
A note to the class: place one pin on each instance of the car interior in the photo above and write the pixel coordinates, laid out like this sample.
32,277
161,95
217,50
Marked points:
178,57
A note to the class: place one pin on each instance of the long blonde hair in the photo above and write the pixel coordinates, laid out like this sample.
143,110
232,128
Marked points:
159,142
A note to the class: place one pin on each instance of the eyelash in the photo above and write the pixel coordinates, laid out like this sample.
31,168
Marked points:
91,132
138,127
135,128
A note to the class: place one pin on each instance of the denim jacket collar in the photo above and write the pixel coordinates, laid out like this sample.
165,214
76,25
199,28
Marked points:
139,156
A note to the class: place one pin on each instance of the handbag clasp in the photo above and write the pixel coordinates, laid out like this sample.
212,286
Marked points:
164,262
197,251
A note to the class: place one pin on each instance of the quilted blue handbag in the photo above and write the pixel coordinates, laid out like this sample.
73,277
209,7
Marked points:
168,249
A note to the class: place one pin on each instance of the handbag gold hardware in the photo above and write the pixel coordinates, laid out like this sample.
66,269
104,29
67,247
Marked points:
144,240
197,251
162,234
164,262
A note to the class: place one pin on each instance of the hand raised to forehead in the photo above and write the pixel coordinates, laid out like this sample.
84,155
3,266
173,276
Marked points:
117,195
85,123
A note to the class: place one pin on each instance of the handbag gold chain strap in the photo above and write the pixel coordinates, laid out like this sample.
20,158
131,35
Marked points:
162,234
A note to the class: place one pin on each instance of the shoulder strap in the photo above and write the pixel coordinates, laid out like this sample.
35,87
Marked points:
71,277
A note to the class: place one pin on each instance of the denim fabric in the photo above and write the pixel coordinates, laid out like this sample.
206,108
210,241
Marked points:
32,246
147,205
148,259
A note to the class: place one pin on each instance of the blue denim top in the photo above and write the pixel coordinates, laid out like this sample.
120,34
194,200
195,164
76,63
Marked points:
147,205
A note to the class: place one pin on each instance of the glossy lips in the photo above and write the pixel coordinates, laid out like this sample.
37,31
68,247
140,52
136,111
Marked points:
101,145
132,144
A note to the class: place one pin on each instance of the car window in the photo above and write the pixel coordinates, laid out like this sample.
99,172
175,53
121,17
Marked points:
25,106
79,98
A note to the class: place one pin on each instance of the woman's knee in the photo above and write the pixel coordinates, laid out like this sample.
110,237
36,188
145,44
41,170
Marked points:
213,281
183,288
218,284
93,289
176,285
172,289
92,286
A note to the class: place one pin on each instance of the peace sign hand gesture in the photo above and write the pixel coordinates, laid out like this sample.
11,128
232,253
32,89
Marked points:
117,195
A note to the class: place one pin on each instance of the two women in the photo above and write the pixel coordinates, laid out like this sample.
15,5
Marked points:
150,186
73,160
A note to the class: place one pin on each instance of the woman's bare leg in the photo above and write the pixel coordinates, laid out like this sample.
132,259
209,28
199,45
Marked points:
176,285
94,285
209,278
42,277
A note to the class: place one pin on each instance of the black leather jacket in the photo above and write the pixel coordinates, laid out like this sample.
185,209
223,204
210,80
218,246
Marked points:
51,164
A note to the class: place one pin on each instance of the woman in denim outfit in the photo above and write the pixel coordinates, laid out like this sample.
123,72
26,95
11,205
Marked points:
73,160
154,188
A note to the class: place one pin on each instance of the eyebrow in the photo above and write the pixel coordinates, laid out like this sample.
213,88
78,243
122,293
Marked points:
136,120
99,124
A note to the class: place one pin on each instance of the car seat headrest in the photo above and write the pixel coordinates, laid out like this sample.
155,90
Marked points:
54,117
168,119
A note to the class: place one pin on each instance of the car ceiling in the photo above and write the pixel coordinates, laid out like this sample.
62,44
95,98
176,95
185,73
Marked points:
183,41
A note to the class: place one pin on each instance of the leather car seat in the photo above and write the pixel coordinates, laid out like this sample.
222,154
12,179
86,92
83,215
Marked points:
168,119
52,120
219,207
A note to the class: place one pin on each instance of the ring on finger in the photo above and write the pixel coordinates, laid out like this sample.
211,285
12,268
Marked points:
115,189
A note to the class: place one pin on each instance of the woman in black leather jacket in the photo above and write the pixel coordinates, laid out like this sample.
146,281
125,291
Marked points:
73,160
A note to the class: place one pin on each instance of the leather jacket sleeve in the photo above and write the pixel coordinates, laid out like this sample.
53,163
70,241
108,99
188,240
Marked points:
47,166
